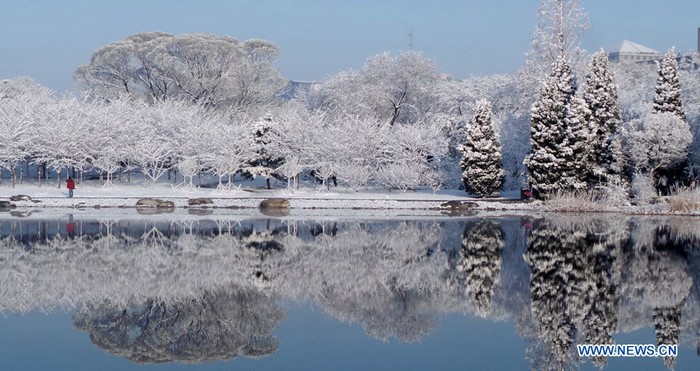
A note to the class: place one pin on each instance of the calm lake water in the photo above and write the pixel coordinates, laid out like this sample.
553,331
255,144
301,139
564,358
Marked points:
238,293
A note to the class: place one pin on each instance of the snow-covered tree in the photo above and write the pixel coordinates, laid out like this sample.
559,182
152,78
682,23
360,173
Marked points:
263,162
688,72
201,68
154,151
658,141
410,155
361,151
604,121
192,131
576,148
392,89
24,109
668,99
231,148
482,170
558,136
668,87
71,138
560,24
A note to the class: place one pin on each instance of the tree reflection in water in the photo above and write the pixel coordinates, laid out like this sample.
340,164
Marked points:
194,291
573,288
214,326
480,264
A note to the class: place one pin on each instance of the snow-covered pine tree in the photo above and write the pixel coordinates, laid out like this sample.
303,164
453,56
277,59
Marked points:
263,163
558,136
576,148
668,99
668,87
603,118
482,170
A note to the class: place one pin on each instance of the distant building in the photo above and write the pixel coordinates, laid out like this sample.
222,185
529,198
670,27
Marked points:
628,52
296,89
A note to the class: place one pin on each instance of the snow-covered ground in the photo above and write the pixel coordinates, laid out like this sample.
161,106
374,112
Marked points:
90,194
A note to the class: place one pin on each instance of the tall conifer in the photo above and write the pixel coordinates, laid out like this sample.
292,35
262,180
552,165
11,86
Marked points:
482,170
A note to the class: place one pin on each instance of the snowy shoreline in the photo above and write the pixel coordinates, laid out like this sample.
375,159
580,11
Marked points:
302,202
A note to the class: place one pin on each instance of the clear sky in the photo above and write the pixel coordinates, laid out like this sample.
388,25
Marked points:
48,39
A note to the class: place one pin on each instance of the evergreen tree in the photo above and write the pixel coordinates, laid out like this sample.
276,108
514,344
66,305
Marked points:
668,87
576,148
668,99
604,121
558,136
263,163
482,170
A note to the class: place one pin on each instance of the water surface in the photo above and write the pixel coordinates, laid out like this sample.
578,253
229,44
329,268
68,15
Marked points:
234,292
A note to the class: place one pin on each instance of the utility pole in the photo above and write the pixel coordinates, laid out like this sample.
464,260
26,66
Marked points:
410,40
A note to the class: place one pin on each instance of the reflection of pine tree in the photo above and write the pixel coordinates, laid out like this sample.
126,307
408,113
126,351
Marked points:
573,287
481,262
549,285
667,327
600,322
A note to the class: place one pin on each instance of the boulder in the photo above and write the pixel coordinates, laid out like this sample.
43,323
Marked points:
166,205
200,202
156,203
20,198
148,202
459,205
274,203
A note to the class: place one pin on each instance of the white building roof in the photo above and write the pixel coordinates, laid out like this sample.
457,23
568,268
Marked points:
628,47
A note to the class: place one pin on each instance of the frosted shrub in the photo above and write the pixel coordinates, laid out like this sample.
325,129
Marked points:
290,169
354,175
642,189
189,167
685,200
402,176
574,201
615,194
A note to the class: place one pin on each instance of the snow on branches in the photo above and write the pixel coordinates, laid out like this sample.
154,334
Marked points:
559,136
604,121
482,171
668,87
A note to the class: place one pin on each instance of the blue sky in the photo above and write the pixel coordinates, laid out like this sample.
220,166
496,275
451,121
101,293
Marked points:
48,39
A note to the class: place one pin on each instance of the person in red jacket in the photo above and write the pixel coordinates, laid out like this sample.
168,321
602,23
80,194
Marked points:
70,184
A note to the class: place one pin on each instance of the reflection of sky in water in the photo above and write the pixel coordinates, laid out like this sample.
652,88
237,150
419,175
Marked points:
460,290
308,340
